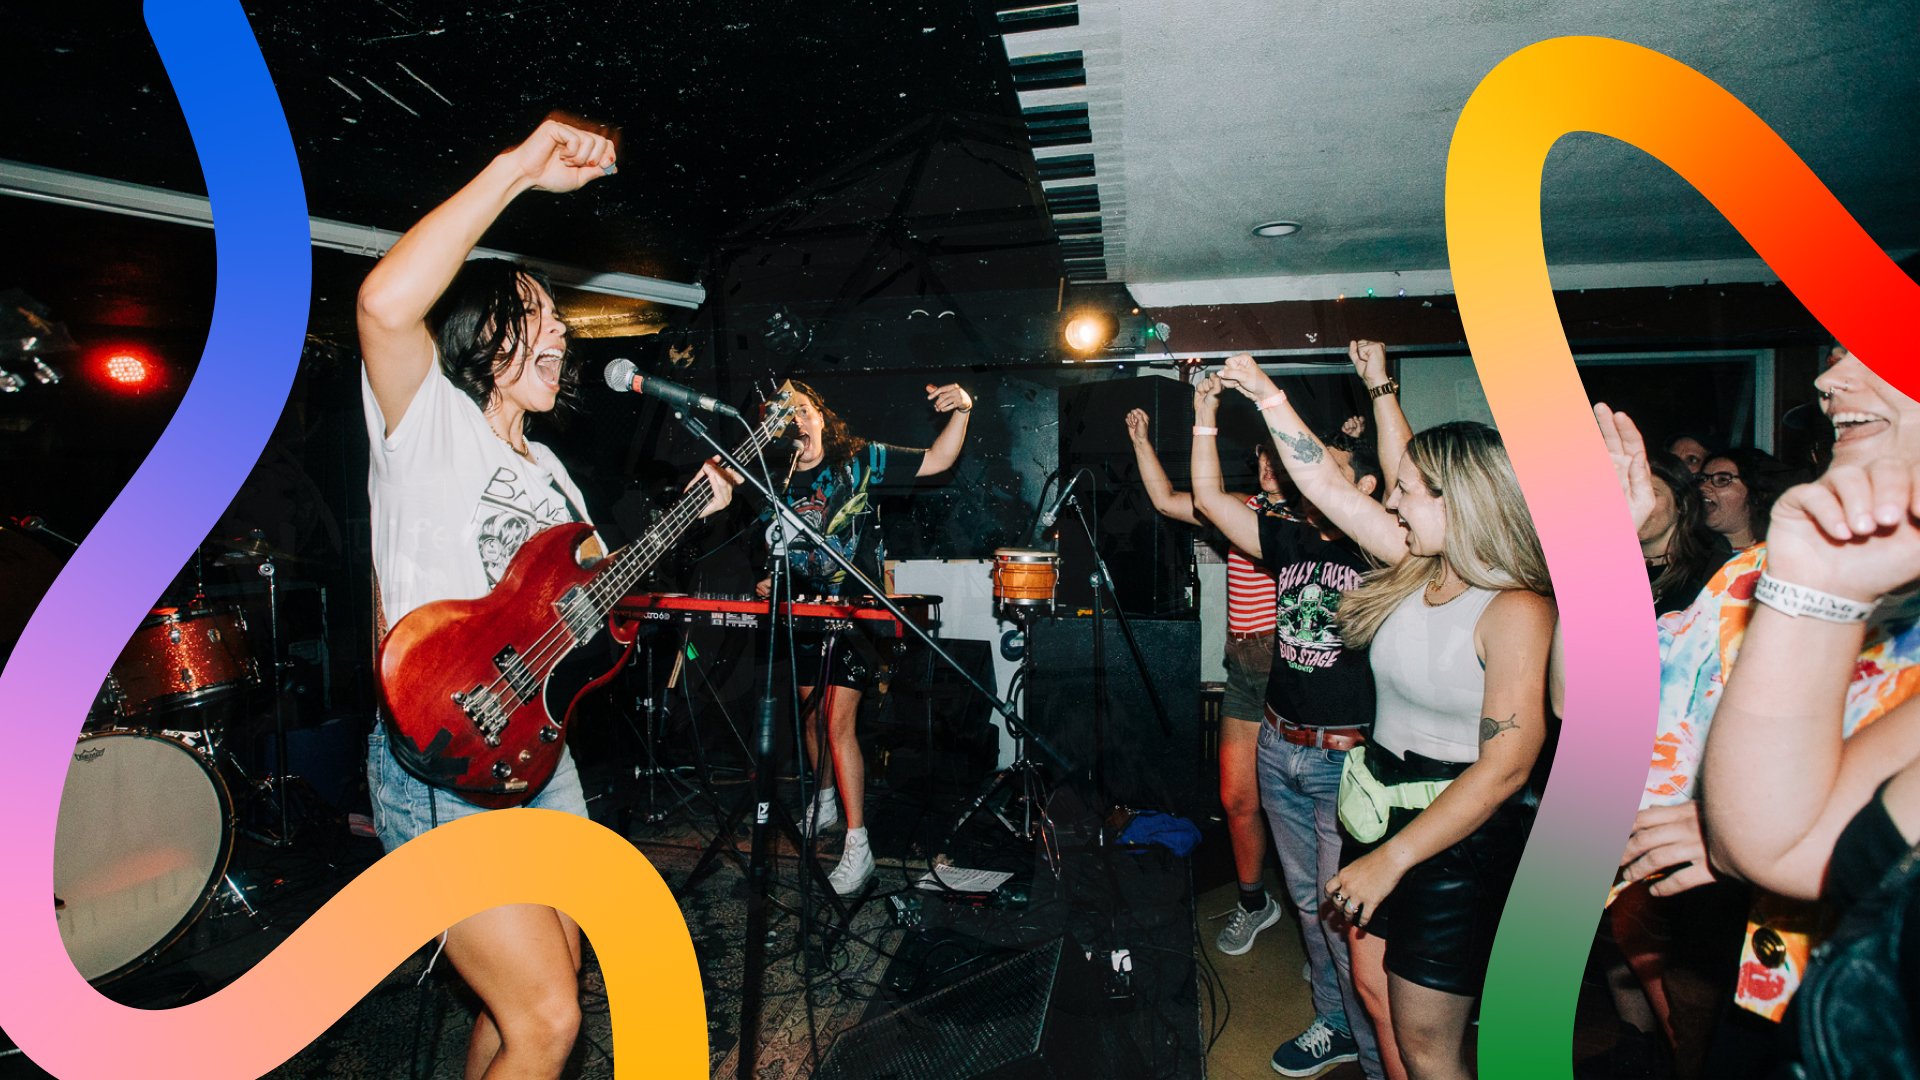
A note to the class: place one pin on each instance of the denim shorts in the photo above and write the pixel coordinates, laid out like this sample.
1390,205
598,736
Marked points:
1248,661
404,806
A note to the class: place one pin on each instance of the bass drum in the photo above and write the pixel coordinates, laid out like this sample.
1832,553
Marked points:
146,827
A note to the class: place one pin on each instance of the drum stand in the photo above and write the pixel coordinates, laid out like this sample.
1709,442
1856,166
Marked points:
1027,774
275,785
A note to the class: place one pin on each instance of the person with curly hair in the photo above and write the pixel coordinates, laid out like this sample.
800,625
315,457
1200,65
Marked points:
835,486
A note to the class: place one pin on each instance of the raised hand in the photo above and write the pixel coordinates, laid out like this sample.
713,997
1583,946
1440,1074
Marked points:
1852,532
561,157
948,398
1629,453
1241,373
1206,399
1137,425
1369,362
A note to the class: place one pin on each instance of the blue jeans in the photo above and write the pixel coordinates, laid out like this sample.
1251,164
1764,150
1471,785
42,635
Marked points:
1299,787
404,806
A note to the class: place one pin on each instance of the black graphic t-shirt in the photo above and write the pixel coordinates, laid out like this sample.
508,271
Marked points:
840,501
1315,680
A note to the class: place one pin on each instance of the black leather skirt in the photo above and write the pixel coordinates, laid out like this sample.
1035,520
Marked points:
1439,922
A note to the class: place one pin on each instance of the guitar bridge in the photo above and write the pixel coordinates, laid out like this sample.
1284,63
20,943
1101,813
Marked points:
484,709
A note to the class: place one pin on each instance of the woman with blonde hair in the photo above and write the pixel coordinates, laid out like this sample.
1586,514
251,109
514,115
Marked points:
1458,624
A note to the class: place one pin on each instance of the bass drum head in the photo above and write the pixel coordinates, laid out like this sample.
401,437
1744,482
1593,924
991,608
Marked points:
145,830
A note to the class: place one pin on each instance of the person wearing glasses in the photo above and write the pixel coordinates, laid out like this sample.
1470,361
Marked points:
1876,425
1738,488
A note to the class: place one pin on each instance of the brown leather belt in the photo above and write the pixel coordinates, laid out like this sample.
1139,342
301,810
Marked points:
1325,738
1234,635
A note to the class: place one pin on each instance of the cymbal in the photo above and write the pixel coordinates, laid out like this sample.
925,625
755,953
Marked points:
246,549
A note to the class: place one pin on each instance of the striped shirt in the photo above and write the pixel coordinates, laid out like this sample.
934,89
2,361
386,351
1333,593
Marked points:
1250,586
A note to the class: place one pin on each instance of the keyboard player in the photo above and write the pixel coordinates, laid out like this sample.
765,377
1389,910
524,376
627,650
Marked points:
833,487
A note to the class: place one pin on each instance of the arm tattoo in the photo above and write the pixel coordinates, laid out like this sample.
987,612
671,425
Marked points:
1489,727
1305,449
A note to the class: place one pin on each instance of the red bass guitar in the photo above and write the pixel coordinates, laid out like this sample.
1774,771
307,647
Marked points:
473,702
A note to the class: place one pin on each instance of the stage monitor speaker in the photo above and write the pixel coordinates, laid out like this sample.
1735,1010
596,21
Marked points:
1149,556
964,741
992,1026
1145,767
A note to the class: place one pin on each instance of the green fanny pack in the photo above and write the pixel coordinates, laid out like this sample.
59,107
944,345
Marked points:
1365,801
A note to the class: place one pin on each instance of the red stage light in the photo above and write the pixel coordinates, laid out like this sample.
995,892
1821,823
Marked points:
128,370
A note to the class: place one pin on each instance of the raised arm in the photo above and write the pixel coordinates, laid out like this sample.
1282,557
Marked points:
1512,639
1320,481
958,405
1177,505
1779,781
1390,427
394,300
1237,521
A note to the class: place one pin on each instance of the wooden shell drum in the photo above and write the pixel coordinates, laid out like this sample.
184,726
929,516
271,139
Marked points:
1024,578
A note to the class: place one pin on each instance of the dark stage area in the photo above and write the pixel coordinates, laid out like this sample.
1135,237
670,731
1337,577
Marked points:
1082,962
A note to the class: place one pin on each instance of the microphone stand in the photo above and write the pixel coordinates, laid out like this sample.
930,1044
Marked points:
765,785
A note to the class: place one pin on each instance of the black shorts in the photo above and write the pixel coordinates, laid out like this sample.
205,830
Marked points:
1439,922
846,658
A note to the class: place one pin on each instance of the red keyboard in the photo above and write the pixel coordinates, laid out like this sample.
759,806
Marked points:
820,615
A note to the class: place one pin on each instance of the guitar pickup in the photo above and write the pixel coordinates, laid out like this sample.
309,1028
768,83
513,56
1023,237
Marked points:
577,611
525,684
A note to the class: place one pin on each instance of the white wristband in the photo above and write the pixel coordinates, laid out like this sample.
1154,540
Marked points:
1796,600
1202,429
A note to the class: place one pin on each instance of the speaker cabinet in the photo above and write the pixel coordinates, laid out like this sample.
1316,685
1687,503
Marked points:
1149,556
992,1026
1145,767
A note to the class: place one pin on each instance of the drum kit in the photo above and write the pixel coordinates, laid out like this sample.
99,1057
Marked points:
147,819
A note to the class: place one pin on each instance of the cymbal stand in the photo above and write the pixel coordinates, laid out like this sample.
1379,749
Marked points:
277,783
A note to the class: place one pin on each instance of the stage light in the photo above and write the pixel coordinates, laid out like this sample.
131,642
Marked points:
1088,331
129,371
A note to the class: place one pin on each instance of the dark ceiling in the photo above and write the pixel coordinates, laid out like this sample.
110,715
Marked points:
730,113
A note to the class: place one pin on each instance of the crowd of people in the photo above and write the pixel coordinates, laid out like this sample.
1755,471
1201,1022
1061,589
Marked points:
1387,709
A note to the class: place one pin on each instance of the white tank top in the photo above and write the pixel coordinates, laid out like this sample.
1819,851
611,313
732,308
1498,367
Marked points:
1429,683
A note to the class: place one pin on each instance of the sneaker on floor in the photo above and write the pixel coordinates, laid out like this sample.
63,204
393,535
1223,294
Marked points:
1246,925
1318,1049
854,871
820,815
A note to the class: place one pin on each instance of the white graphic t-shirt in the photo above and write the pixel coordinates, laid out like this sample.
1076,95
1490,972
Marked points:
451,502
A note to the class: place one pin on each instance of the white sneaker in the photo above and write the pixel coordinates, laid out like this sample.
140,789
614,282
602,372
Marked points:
855,869
821,814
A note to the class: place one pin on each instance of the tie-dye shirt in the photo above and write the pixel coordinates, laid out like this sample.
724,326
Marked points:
1697,648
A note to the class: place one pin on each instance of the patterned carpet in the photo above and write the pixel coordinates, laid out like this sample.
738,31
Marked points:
410,1027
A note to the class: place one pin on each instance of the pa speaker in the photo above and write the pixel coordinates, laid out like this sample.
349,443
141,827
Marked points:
1150,557
1142,765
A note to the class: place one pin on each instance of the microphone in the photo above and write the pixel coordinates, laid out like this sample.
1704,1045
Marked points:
621,375
1052,513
